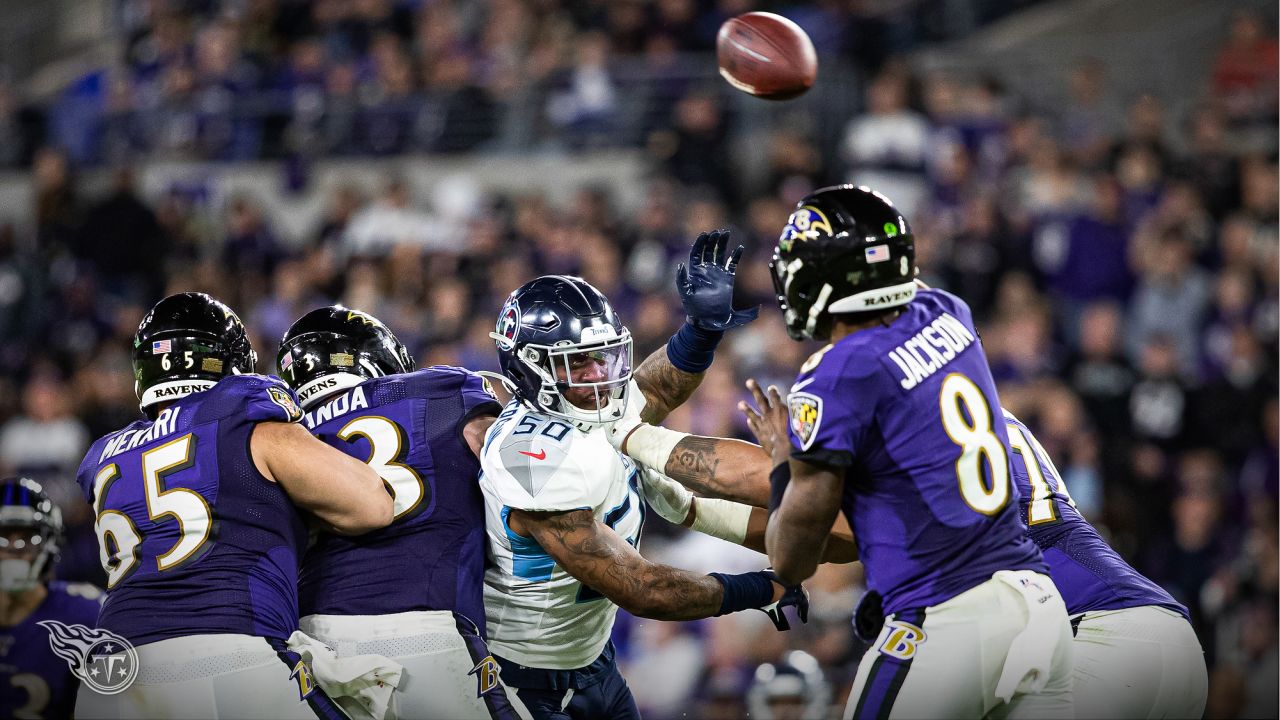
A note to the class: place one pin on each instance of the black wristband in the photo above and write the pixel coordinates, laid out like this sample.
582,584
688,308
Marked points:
744,591
779,479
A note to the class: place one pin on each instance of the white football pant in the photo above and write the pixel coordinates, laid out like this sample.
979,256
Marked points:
205,676
1001,650
1142,662
448,672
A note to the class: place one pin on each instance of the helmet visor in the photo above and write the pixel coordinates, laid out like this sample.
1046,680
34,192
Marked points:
590,377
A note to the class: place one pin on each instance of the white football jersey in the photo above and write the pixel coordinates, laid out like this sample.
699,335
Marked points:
538,615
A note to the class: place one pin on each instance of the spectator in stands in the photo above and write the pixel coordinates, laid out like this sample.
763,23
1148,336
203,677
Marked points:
1244,75
1170,301
584,99
886,148
123,242
1091,118
46,439
1100,372
390,221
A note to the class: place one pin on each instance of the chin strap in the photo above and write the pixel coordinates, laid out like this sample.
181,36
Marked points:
501,379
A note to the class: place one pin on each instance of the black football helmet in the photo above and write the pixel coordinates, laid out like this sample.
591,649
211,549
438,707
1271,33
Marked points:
546,326
334,348
186,344
30,534
845,249
792,688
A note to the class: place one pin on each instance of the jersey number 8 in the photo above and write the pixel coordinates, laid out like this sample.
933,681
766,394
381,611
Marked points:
971,428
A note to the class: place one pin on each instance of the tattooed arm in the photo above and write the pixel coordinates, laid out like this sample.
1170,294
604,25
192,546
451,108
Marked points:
598,557
664,386
722,468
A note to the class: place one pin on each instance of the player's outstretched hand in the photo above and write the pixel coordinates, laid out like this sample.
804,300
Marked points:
769,422
705,284
792,596
868,618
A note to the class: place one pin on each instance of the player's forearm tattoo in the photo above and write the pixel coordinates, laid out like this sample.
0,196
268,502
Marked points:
693,463
664,387
721,468
650,590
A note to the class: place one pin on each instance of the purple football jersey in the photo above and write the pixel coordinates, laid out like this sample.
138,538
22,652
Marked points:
1088,572
907,411
34,682
195,540
409,428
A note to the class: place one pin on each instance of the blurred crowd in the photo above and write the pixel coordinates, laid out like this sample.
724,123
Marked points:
1122,261
244,79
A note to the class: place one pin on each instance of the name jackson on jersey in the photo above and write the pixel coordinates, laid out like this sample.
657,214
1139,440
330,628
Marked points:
926,352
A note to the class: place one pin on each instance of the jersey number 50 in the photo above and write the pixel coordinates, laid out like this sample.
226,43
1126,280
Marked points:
970,427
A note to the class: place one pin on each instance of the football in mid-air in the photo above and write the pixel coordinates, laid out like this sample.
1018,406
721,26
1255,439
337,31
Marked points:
766,55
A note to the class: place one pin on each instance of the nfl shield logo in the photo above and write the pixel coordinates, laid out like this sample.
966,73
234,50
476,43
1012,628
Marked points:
806,415
285,401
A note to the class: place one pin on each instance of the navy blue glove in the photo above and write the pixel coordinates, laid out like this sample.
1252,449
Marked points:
868,618
706,284
795,596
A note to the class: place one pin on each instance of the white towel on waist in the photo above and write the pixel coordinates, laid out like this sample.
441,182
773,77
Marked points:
361,685
1030,658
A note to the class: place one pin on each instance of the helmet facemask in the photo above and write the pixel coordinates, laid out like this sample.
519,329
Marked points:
557,366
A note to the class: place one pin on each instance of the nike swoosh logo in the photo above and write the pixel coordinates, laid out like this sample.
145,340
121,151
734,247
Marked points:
540,455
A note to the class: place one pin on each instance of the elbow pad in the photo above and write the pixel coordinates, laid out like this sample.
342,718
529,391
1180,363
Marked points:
651,445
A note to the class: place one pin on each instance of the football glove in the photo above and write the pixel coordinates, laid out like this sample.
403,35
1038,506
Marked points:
667,497
795,596
705,284
868,618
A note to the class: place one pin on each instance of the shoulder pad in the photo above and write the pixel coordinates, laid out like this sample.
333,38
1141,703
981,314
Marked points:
261,398
544,464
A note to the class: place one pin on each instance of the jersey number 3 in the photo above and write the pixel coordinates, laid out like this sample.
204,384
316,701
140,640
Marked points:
387,452
967,420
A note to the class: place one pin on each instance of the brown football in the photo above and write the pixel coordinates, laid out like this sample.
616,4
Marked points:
766,55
